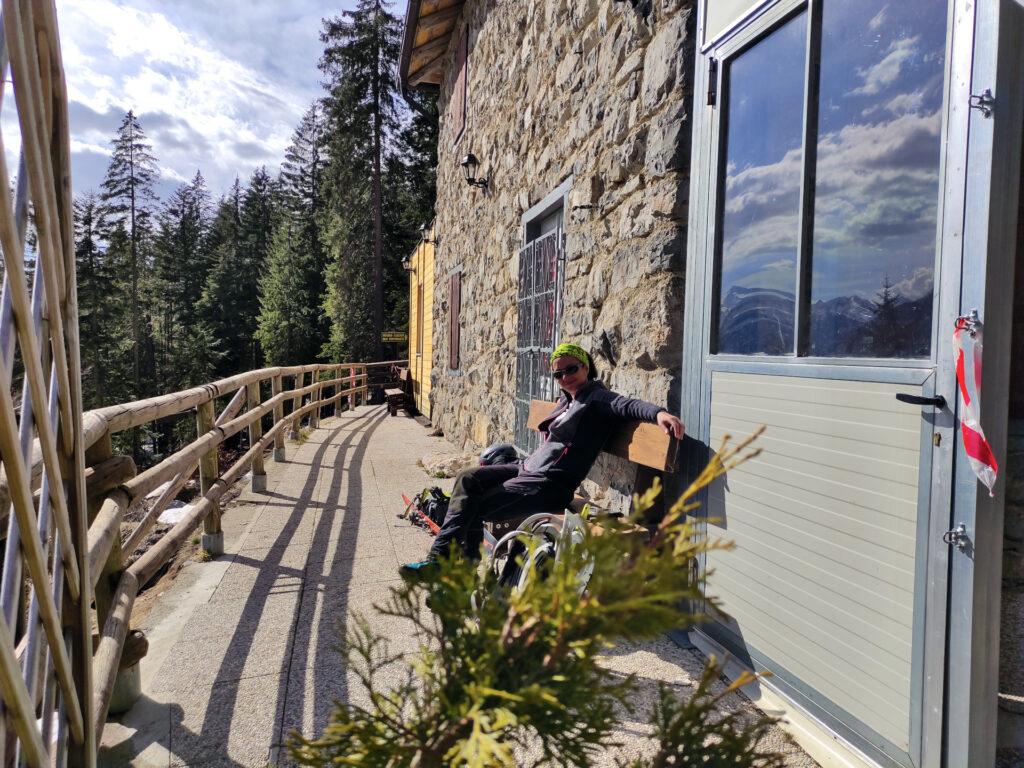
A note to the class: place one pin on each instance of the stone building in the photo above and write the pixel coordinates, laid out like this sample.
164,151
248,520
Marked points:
577,113
764,211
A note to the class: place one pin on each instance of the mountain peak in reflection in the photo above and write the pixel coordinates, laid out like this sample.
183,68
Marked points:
760,321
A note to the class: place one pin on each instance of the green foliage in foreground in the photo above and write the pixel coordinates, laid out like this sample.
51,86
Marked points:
520,675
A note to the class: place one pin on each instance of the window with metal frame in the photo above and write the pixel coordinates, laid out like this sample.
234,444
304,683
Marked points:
539,310
830,184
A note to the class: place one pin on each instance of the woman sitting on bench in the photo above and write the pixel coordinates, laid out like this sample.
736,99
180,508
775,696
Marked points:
573,436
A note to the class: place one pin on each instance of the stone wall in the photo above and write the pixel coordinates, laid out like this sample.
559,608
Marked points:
595,91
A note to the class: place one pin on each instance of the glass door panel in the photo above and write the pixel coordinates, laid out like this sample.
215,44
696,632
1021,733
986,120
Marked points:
761,206
876,192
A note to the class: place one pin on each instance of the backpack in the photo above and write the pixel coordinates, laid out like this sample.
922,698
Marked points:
430,504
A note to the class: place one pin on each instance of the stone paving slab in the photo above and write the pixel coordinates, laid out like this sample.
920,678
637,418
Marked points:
244,648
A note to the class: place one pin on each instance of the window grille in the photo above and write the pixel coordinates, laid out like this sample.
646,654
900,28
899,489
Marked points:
539,308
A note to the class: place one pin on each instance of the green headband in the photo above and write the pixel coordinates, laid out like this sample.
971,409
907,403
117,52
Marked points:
571,350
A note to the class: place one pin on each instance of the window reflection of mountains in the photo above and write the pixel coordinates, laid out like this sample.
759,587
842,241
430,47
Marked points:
760,321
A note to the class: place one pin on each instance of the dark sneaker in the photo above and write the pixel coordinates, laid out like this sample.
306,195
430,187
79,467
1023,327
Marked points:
422,570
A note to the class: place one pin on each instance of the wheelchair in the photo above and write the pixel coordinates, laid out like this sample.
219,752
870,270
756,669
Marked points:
531,545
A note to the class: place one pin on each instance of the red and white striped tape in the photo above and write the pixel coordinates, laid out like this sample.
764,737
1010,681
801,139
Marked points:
967,347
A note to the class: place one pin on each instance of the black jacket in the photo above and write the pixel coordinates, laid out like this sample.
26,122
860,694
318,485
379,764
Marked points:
576,431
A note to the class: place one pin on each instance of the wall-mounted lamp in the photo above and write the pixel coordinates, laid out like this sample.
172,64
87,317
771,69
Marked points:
407,265
424,231
469,168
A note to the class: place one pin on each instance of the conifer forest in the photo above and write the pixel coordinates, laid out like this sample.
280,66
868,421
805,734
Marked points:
285,267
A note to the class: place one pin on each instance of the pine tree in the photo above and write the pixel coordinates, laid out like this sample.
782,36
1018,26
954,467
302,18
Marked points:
513,676
361,51
285,323
222,306
104,340
409,197
127,199
885,330
183,263
291,327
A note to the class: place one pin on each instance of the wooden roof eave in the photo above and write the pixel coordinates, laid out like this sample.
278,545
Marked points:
428,29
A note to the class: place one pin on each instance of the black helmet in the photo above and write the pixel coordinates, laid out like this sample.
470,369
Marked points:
499,453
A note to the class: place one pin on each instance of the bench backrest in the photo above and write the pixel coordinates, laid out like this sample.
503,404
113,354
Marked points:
634,441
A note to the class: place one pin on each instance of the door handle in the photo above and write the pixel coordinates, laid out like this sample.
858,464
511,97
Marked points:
938,400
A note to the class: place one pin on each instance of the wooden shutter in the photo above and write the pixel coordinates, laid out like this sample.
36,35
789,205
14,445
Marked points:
455,305
459,92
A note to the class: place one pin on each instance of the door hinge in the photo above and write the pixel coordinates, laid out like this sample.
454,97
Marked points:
984,102
712,82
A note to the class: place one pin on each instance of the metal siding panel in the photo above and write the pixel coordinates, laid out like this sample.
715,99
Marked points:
822,577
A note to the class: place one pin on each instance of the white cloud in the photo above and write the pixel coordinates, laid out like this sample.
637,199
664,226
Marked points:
84,146
214,104
878,19
887,71
875,205
918,284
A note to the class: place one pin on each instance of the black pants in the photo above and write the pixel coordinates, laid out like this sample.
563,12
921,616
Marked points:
492,493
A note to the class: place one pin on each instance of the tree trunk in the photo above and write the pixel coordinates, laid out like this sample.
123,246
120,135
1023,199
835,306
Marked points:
378,227
134,304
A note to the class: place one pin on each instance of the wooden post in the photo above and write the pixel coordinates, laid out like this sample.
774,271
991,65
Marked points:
101,451
259,474
213,536
296,432
276,388
314,398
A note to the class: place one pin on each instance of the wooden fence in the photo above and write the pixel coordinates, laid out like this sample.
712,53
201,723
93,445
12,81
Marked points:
63,493
112,486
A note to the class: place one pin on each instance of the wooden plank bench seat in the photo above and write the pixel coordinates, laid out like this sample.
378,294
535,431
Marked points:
643,444
394,397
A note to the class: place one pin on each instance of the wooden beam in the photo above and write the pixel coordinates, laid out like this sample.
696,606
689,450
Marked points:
428,7
107,658
109,474
436,24
259,474
103,532
208,472
432,72
424,54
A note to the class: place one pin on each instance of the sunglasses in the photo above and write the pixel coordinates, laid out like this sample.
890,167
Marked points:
569,370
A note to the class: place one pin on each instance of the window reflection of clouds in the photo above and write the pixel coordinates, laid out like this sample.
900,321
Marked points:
763,163
876,194
876,197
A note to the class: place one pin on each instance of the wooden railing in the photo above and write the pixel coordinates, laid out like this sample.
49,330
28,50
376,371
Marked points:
63,492
113,486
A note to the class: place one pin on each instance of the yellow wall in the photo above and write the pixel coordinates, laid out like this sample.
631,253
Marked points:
420,351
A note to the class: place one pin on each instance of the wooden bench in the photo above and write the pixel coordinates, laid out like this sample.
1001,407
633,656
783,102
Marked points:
394,398
643,444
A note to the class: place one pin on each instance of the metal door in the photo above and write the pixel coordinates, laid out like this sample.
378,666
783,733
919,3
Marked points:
824,266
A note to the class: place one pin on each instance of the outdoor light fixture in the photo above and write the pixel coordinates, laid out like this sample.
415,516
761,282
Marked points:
407,265
469,167
424,229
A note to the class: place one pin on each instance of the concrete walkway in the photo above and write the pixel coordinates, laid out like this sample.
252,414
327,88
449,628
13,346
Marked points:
243,649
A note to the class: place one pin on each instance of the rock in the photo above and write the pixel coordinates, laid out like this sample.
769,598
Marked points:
449,465
663,62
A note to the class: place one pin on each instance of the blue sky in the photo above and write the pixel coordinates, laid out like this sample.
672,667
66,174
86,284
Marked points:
218,86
